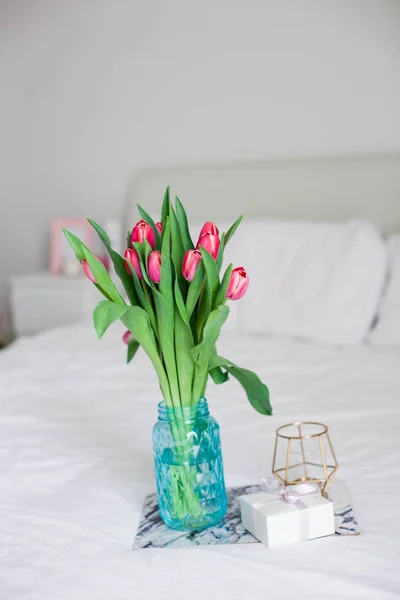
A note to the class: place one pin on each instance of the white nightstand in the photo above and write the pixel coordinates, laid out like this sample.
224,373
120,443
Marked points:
41,301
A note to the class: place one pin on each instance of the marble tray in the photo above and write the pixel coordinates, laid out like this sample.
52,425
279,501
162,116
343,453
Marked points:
153,533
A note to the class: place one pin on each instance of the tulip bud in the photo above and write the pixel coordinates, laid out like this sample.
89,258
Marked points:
209,228
238,284
154,266
128,337
190,263
143,231
159,227
87,271
209,242
133,259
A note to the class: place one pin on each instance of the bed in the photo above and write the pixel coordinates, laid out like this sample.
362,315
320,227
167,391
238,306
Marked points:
75,437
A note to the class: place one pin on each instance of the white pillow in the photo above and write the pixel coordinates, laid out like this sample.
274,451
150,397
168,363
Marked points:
387,329
320,281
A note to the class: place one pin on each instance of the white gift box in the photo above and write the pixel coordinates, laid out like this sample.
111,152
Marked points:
275,521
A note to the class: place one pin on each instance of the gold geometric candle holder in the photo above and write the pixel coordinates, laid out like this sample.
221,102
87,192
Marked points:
303,452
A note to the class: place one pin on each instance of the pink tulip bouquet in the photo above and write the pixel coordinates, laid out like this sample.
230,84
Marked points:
175,304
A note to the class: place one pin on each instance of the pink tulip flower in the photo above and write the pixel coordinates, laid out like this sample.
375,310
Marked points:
154,266
133,259
238,284
128,337
190,263
209,242
209,228
143,231
87,271
159,227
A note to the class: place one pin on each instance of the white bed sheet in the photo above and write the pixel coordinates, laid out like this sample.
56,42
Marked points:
76,460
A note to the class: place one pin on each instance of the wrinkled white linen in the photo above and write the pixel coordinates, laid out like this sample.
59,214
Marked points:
76,460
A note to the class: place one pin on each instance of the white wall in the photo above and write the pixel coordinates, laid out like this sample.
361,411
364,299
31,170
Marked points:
93,90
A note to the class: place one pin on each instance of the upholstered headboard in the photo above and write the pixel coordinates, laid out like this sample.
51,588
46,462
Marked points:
329,189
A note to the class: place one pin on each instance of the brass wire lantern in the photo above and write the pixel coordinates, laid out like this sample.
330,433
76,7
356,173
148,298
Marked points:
304,453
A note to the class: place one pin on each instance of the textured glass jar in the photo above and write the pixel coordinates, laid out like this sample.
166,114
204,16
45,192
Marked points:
188,466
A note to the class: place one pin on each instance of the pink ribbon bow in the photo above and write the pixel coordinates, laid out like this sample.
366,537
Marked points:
290,493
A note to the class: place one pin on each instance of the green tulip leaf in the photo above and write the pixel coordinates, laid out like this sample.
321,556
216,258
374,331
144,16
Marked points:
166,275
105,314
183,225
204,308
211,333
75,243
223,288
144,264
257,392
202,352
133,347
147,251
218,375
231,231
137,321
118,262
141,250
165,320
165,208
184,360
177,249
101,276
194,289
181,304
211,271
101,232
220,256
224,241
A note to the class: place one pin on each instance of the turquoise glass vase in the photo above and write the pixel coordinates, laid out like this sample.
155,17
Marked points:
188,466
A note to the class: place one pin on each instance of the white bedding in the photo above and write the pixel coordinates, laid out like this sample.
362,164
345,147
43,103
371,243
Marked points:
76,460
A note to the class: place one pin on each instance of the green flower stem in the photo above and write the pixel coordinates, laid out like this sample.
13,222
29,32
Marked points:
184,480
